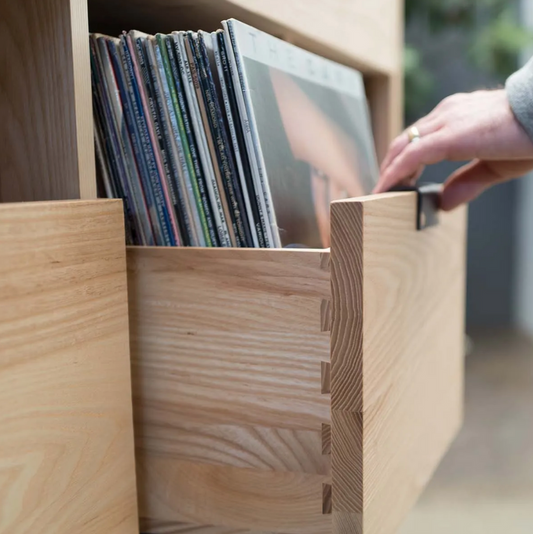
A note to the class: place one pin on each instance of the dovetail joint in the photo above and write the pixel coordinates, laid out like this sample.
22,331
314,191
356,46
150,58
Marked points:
325,377
326,438
326,498
325,261
325,315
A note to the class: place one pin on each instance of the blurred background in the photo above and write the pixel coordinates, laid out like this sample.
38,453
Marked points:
485,484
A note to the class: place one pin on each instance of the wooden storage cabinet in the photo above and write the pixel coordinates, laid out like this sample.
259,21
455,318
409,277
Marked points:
287,391
46,82
298,391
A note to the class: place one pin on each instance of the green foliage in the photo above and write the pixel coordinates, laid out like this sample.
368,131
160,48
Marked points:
496,47
418,82
495,38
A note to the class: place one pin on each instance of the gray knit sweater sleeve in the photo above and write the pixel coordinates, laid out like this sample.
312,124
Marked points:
519,88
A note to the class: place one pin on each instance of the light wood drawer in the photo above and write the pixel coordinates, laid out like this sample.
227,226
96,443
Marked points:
298,391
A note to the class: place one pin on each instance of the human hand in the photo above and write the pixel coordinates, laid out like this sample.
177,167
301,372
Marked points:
478,126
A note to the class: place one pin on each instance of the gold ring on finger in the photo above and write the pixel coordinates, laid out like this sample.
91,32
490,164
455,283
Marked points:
413,134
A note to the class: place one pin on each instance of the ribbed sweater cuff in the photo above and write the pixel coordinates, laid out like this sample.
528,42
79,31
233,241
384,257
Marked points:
519,87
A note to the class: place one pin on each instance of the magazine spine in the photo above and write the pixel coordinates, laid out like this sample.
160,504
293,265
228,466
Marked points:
188,141
237,139
174,111
205,115
207,165
224,157
208,136
169,234
174,171
141,225
102,122
135,45
113,190
102,158
180,175
111,95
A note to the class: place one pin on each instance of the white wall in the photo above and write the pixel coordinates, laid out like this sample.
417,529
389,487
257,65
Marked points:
524,263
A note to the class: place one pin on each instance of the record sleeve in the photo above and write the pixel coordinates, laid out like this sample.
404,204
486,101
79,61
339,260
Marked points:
176,121
164,219
104,129
215,195
223,147
177,178
310,131
116,113
270,231
122,185
227,95
188,40
102,161
189,143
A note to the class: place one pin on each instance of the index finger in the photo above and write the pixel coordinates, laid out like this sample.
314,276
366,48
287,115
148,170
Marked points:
428,150
395,148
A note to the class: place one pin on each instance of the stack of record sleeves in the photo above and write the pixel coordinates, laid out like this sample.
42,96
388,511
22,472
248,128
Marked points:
227,139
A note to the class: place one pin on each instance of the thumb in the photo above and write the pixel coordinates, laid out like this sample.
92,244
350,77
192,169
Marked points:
467,183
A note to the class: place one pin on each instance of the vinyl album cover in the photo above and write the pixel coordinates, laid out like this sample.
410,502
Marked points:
313,135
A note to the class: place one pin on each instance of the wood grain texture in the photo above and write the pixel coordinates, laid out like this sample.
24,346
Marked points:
325,260
238,326
385,98
347,461
172,527
228,290
45,102
347,302
268,380
227,351
229,496
326,499
272,449
326,438
407,403
66,451
370,39
81,65
325,315
326,377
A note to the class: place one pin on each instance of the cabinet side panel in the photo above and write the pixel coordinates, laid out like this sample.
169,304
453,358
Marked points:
413,352
385,97
66,448
45,102
397,355
81,64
